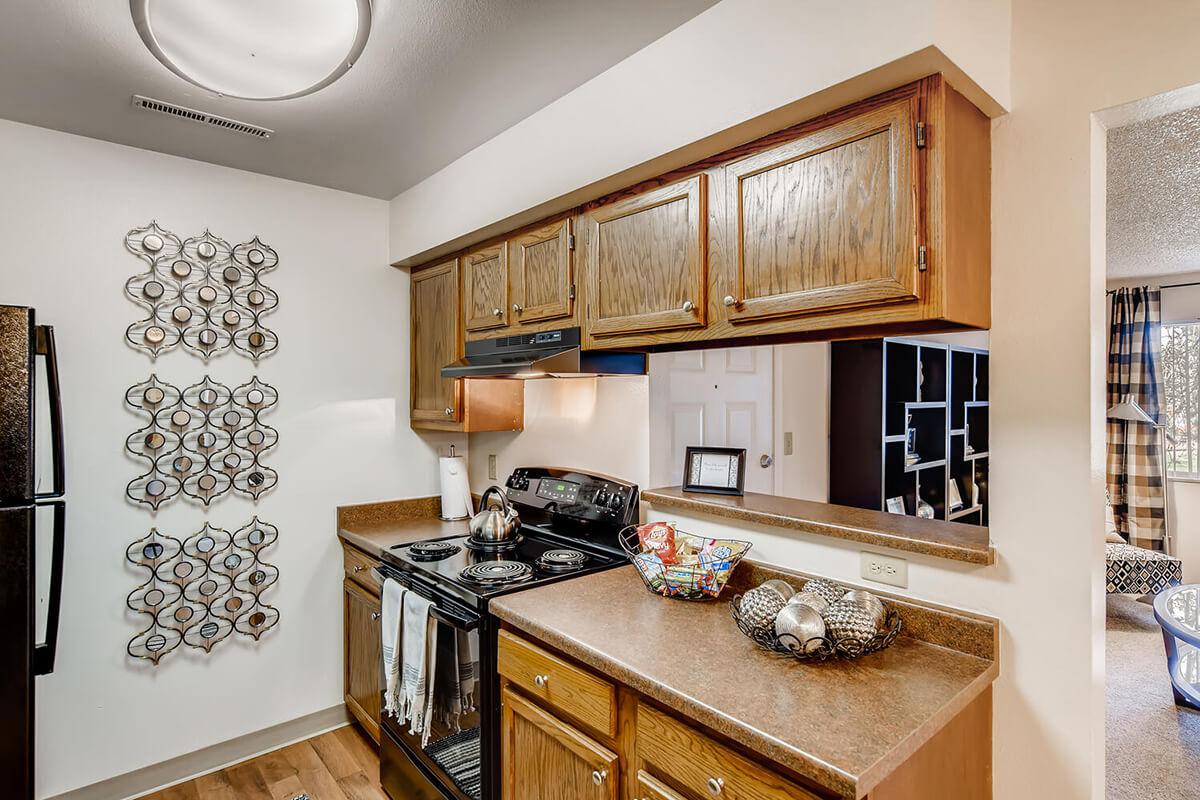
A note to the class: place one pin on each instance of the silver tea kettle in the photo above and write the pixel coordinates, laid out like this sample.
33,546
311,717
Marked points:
494,524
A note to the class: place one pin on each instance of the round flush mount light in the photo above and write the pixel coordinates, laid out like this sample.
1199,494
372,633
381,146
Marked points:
261,50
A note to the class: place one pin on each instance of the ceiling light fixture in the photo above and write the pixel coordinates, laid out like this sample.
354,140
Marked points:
265,50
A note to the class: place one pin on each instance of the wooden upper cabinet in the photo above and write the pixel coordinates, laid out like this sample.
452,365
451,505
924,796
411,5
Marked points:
646,260
436,341
541,273
485,288
827,220
544,758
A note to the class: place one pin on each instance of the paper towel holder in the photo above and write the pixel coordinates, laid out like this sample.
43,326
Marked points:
455,490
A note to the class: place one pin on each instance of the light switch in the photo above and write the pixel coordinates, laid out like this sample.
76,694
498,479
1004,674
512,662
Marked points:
491,466
787,443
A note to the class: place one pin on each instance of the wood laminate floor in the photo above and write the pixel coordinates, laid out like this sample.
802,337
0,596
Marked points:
339,765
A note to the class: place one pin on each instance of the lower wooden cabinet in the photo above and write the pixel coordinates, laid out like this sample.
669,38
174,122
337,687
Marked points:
363,656
544,758
650,788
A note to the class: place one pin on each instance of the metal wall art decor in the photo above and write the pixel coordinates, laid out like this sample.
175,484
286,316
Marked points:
201,590
201,292
202,441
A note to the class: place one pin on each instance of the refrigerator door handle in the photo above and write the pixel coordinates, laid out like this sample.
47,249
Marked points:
43,654
45,348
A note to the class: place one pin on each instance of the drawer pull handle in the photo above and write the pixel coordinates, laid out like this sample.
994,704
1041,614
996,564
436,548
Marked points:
688,306
730,300
599,775
358,568
497,313
449,411
517,309
375,615
541,680
715,785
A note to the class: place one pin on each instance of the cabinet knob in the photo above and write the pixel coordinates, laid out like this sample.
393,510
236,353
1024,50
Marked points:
517,309
497,312
599,775
730,300
449,411
688,306
375,615
715,785
358,568
541,680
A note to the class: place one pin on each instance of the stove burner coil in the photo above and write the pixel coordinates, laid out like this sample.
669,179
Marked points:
432,551
494,547
496,573
561,559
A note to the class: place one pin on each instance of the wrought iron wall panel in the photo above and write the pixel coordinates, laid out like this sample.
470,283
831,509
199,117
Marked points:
202,441
201,292
202,589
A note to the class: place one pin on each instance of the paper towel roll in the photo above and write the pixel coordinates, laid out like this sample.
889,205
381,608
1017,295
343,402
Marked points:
456,492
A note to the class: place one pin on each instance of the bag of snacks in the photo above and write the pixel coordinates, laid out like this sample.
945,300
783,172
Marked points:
658,538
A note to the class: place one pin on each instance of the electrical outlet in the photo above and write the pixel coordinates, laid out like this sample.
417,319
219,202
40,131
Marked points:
787,443
885,569
491,466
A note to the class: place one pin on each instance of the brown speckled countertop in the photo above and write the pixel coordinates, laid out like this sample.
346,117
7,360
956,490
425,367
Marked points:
845,725
953,540
373,527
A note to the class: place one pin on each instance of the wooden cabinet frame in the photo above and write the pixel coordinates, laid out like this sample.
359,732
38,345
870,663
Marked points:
362,658
694,191
427,357
897,120
494,312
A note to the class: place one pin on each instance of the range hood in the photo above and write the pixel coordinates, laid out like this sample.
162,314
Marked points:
549,354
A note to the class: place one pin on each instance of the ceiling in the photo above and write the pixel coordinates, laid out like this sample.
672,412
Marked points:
1153,205
437,79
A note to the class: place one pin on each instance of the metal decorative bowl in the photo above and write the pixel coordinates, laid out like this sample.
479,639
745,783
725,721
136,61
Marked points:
818,648
702,579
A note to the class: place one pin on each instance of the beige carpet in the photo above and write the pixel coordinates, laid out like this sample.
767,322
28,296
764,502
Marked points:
1153,746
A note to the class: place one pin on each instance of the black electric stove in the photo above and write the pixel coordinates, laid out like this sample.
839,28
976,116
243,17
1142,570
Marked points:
570,522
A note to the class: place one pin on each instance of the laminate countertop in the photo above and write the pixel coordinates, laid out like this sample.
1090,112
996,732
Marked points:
845,725
374,527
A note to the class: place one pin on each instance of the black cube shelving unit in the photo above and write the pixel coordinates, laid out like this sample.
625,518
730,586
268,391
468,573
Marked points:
879,388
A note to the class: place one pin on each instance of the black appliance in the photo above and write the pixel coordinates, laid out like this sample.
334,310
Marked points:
22,343
569,526
549,354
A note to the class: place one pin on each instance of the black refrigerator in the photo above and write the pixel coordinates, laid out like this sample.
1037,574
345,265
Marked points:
26,353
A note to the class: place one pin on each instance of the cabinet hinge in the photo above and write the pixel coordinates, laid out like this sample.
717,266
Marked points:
922,259
571,292
570,241
920,134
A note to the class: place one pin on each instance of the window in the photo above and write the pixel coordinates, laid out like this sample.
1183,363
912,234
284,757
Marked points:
1179,375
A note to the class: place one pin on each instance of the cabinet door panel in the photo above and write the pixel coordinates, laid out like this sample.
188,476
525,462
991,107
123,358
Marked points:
542,274
436,341
646,261
485,288
827,220
363,646
543,758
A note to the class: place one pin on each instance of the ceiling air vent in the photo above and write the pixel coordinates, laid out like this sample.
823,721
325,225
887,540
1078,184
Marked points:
203,117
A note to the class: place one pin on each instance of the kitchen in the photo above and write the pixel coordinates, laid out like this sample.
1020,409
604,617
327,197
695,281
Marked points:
349,369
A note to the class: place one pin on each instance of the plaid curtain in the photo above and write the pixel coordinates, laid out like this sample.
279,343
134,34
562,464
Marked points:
1135,475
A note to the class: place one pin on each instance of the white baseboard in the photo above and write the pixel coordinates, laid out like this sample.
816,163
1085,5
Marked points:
201,762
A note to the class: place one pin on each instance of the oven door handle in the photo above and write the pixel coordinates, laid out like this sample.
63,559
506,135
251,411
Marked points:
441,613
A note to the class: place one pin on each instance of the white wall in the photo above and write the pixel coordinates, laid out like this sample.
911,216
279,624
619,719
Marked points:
66,203
596,424
754,56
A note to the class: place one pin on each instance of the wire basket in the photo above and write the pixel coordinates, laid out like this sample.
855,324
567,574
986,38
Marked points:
701,579
818,648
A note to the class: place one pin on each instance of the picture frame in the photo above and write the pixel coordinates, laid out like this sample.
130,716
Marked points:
895,505
714,470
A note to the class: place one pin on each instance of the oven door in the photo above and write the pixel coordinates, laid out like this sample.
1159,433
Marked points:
456,760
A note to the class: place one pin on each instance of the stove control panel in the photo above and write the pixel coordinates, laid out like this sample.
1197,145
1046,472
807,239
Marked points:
575,495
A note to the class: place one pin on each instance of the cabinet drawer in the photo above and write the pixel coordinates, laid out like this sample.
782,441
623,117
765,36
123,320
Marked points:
358,569
580,694
650,788
703,766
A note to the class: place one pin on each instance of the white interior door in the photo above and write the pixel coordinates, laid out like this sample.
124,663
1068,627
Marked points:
718,398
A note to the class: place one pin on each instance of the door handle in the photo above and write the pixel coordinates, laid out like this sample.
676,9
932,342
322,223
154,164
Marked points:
730,300
43,654
497,313
765,461
517,309
45,348
688,306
